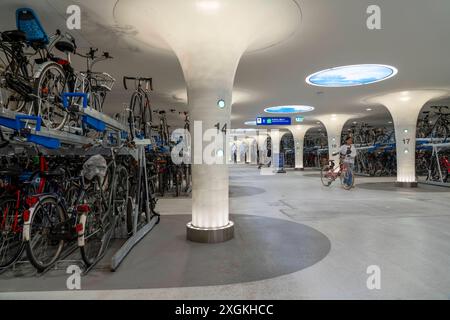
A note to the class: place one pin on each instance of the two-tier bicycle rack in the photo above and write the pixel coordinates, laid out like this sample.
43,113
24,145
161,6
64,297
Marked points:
437,148
26,134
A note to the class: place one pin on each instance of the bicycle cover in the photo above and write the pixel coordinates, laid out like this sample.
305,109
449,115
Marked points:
95,166
28,22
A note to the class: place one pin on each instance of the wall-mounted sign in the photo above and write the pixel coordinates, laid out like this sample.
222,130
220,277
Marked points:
273,121
299,119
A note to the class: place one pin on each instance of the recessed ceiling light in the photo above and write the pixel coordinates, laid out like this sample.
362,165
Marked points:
354,122
369,109
208,5
221,103
390,122
289,109
350,76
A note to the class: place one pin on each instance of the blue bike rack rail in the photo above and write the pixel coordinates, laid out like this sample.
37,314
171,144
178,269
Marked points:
18,124
89,120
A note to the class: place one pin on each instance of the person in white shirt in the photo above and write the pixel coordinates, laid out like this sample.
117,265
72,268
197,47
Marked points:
348,153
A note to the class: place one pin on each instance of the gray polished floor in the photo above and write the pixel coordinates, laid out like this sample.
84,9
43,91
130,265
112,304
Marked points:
404,232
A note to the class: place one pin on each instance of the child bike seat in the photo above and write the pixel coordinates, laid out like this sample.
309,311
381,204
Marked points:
28,22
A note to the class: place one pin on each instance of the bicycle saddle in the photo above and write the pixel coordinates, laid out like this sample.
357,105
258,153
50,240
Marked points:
14,36
65,46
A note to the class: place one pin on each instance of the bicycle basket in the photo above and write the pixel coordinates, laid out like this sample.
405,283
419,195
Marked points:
101,81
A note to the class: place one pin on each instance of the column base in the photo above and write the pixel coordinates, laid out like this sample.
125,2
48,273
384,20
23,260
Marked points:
213,235
406,184
299,169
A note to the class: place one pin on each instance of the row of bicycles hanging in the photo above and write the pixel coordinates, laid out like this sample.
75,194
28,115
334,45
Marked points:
36,81
377,147
53,203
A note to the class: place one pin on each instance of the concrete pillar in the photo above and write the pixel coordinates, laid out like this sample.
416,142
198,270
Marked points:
252,150
209,49
261,141
299,132
405,107
334,124
275,136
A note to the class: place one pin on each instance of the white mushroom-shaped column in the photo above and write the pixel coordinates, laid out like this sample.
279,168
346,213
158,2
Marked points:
334,124
405,107
209,38
299,132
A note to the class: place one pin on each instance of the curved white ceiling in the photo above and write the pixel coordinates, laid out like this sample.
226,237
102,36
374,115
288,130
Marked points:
413,38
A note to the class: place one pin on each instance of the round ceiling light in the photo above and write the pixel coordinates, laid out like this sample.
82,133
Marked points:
288,109
350,76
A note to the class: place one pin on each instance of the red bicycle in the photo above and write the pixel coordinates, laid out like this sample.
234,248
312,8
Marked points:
15,201
331,173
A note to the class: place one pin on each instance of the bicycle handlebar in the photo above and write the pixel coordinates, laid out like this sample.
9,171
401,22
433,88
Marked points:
138,80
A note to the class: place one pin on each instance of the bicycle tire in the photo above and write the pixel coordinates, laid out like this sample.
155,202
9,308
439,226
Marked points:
439,132
98,224
11,248
121,191
38,217
147,117
45,106
323,176
6,92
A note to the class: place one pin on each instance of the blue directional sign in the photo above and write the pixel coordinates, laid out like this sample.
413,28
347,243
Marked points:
273,121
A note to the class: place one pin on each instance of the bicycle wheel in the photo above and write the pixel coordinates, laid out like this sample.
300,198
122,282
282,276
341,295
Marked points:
439,134
147,118
136,112
49,88
98,224
44,247
13,77
11,245
326,176
121,192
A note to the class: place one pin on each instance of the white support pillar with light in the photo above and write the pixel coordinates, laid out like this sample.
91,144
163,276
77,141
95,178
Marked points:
405,107
299,132
209,49
334,124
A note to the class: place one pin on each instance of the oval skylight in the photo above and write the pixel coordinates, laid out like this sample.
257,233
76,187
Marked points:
350,76
288,109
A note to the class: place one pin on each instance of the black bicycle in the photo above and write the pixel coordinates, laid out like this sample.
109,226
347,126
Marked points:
140,112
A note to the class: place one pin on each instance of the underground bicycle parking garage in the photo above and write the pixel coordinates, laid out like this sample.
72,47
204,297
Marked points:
225,150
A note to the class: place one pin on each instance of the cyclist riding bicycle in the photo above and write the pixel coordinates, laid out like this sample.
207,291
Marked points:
348,154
